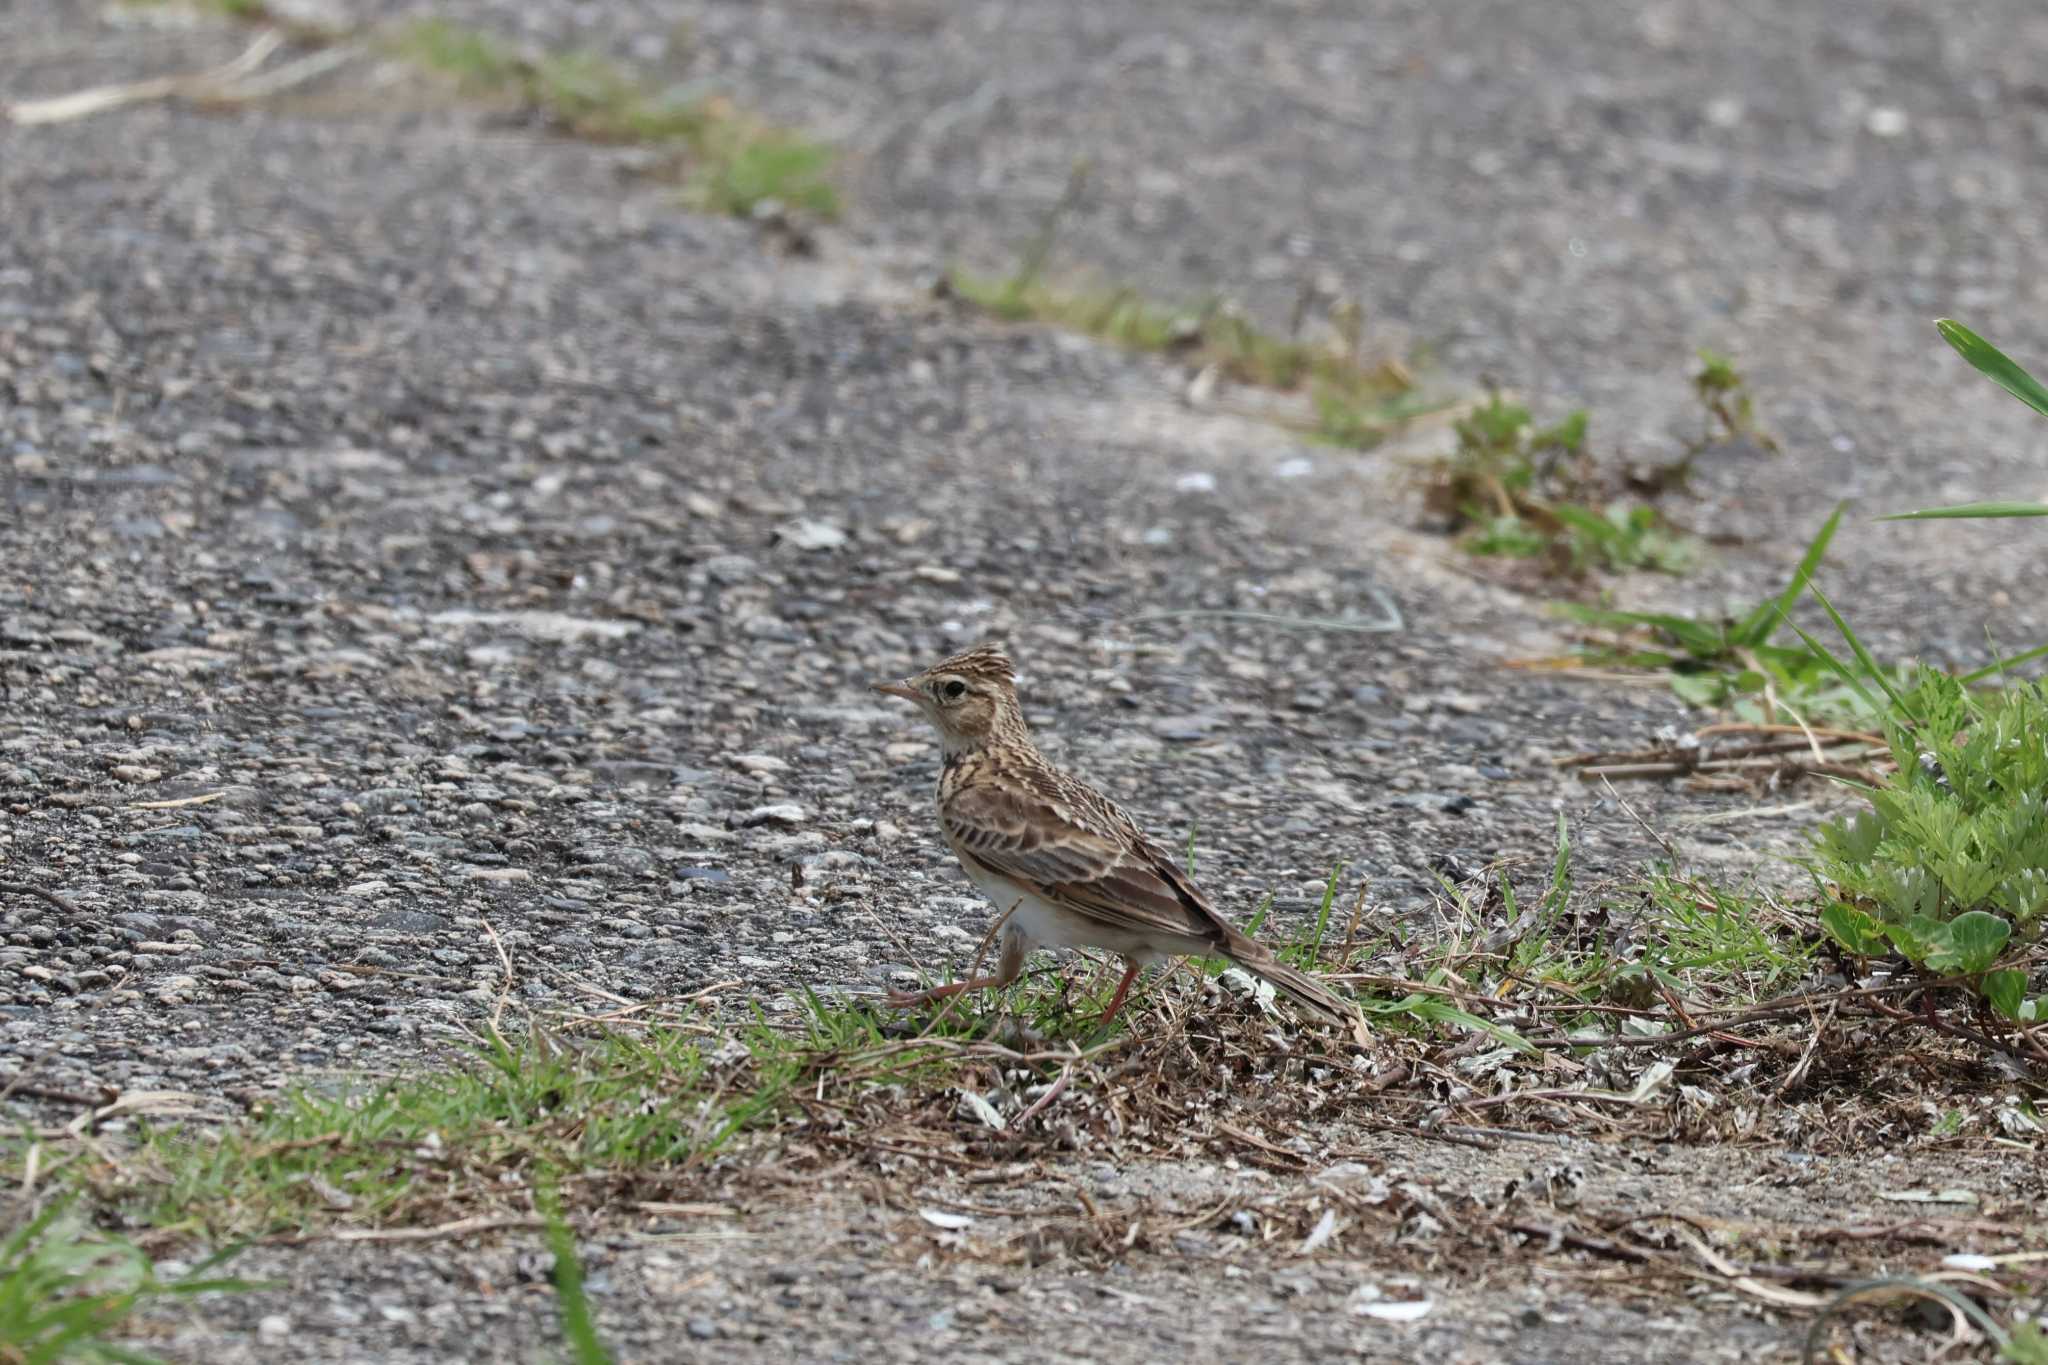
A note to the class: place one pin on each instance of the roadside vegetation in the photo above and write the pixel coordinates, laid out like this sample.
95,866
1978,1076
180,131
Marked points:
729,162
726,160
1351,398
1513,489
68,1289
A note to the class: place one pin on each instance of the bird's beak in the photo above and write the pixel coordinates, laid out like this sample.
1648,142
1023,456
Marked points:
900,688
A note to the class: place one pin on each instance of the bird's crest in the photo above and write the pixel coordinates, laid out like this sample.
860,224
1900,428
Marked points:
982,661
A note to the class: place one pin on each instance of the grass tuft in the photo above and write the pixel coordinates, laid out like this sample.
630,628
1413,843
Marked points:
1357,403
747,164
1738,661
1525,492
1723,393
68,1290
732,161
478,63
515,1117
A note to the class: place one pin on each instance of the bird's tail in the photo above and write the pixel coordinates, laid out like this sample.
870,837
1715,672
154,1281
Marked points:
1261,962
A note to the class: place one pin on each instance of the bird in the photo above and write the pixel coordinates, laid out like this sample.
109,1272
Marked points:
1067,866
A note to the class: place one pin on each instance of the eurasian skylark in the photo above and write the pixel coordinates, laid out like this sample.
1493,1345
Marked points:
1065,862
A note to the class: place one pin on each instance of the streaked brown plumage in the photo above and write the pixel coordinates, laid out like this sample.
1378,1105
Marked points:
1065,862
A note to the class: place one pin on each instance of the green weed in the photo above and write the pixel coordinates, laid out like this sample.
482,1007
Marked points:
2028,1345
1526,492
1731,414
1948,861
1537,928
512,1127
478,63
67,1290
1306,950
1427,1010
514,1117
1668,933
1665,937
1738,662
747,164
1357,403
732,162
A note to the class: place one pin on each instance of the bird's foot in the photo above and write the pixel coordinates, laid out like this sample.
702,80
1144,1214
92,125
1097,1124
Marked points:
907,999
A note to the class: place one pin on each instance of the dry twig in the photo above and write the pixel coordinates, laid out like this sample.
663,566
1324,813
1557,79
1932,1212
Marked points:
233,82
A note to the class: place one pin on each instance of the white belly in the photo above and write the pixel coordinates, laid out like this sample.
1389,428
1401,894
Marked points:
1044,924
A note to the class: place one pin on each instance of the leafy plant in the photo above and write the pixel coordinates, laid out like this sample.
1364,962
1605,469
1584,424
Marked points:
1948,862
1501,456
1531,493
1724,393
747,164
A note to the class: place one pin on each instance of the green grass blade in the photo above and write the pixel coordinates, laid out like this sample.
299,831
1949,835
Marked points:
2000,665
12,1250
1560,872
1762,623
1972,510
1430,1009
1994,364
1315,945
1259,916
1863,657
1841,670
1621,620
1701,639
577,1327
1583,521
120,1355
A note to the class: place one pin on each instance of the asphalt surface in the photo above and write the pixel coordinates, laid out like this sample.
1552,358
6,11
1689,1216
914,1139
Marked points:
411,522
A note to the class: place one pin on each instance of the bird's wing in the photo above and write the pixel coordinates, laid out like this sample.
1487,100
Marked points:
1079,854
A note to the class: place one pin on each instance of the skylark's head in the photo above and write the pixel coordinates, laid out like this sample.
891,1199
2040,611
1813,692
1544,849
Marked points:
971,698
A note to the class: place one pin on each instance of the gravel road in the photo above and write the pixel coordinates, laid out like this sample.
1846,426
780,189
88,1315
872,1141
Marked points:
414,528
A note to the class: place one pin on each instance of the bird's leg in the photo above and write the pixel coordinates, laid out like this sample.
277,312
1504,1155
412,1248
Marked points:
1123,988
905,999
1009,967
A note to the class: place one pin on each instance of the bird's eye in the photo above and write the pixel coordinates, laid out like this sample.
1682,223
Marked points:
953,690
